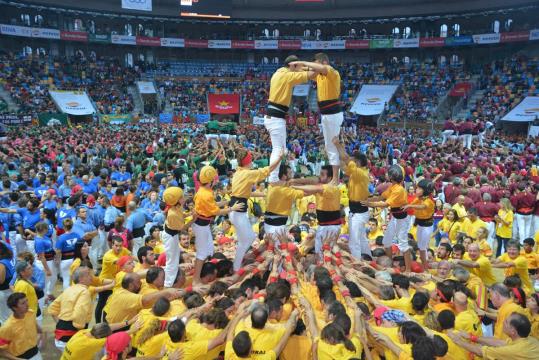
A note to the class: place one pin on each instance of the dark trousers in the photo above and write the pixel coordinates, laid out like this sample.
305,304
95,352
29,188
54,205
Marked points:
501,242
101,302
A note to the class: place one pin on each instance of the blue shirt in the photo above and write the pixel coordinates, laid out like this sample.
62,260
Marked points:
40,191
137,219
66,242
118,176
96,215
82,227
43,245
111,213
29,219
88,188
64,213
150,207
49,204
64,191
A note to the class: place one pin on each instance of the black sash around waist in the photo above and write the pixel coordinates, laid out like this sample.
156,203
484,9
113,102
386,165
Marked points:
30,353
424,222
330,107
138,232
277,110
357,208
328,217
398,213
170,231
235,200
68,255
275,219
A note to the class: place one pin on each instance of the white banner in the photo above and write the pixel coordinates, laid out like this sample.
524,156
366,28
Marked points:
15,30
46,33
534,34
123,39
258,120
527,110
142,5
145,87
172,42
73,102
406,43
372,99
219,44
336,44
266,44
486,38
301,90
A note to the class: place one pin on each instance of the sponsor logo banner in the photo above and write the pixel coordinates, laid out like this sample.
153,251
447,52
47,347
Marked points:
459,41
224,103
243,44
336,44
43,33
172,42
527,110
15,120
406,43
219,44
202,118
52,119
123,39
148,41
323,45
116,119
81,36
73,102
486,38
461,89
534,34
99,38
381,43
432,42
301,90
141,5
266,44
357,44
290,44
145,87
202,44
515,36
372,99
15,30
166,118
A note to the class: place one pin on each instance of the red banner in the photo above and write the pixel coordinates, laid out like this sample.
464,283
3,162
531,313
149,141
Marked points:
515,36
290,44
224,103
461,89
148,41
432,42
243,44
357,44
81,36
203,44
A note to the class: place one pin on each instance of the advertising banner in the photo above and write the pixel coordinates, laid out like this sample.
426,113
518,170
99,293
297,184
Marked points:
141,5
534,34
81,36
357,44
173,42
301,90
15,120
202,118
123,39
166,118
145,87
527,110
406,43
432,42
486,38
336,44
116,119
201,44
461,89
219,44
515,36
372,99
148,41
224,103
290,44
15,30
73,102
459,41
99,38
52,119
381,43
243,44
266,44
258,120
43,33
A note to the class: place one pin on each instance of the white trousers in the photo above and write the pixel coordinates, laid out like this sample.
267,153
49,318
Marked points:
359,244
524,225
467,141
50,281
99,248
277,130
491,227
5,312
172,249
244,233
446,134
275,231
64,271
203,241
423,237
323,232
138,242
331,127
397,228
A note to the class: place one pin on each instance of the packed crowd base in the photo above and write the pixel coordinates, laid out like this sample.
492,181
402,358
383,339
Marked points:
262,242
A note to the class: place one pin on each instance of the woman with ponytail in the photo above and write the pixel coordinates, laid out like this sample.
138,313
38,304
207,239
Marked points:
152,338
334,344
242,185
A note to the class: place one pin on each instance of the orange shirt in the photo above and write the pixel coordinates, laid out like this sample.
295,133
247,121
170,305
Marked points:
427,212
395,196
205,204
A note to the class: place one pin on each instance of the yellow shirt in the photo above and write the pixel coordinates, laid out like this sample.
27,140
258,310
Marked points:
282,83
122,305
476,286
395,196
535,326
195,331
329,199
373,235
74,304
484,271
328,87
338,351
521,349
109,267
404,304
281,198
146,316
177,307
505,231
393,334
82,346
461,210
244,179
485,248
358,185
27,289
520,269
231,355
532,258
175,218
470,227
505,311
191,349
302,203
205,204
263,340
454,350
469,322
297,347
426,213
17,336
451,228
153,346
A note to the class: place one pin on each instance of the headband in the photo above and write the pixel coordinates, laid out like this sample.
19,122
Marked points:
517,295
247,159
441,295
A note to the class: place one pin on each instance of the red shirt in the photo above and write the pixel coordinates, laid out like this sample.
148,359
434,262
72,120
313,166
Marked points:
475,195
524,202
486,210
